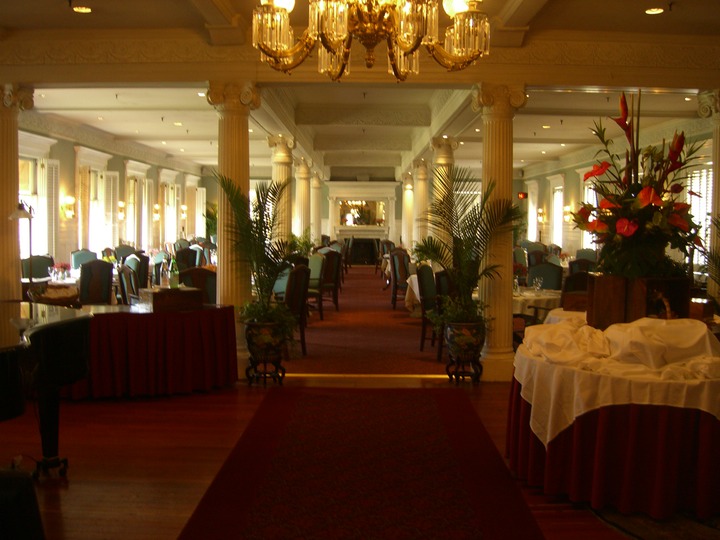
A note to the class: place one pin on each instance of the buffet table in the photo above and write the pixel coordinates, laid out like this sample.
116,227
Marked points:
626,417
135,352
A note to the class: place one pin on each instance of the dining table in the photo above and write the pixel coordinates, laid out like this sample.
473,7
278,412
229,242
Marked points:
628,417
536,302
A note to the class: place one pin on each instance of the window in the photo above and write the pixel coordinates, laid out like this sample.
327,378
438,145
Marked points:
700,181
532,218
557,216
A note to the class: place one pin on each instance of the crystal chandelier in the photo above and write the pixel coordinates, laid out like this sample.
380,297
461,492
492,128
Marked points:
405,25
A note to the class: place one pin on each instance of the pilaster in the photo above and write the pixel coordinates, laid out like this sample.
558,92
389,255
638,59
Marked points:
302,196
316,207
407,211
282,161
420,199
709,107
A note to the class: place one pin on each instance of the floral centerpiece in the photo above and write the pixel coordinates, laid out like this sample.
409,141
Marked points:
641,206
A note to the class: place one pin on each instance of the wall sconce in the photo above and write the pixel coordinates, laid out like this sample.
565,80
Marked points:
541,215
67,206
156,212
121,210
522,195
183,211
567,215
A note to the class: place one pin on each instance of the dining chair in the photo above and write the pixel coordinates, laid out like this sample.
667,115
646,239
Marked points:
181,243
317,273
520,256
128,281
575,292
386,246
442,290
281,285
536,257
554,249
399,273
428,301
201,278
122,251
140,263
81,256
296,297
96,282
40,264
581,265
329,285
158,261
551,275
185,258
199,254
585,253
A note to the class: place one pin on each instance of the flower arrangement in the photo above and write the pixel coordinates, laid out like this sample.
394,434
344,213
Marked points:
641,206
61,267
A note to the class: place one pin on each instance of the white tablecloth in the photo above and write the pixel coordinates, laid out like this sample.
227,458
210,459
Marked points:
569,368
559,314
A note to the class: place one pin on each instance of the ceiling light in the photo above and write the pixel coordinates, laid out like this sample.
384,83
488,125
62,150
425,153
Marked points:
404,25
654,11
546,126
79,9
178,124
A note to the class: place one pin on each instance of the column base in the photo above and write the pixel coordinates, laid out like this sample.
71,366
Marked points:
498,366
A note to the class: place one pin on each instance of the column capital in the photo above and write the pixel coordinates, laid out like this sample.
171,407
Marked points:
302,163
317,182
233,96
20,97
420,164
709,104
499,97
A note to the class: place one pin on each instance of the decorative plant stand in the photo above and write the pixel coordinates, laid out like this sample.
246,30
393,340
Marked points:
465,342
267,349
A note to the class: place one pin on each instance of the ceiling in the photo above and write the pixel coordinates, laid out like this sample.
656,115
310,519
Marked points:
351,131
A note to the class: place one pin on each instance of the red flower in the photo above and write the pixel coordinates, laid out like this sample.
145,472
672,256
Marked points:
597,227
647,196
622,120
625,227
584,213
676,188
678,221
607,204
676,147
597,170
681,208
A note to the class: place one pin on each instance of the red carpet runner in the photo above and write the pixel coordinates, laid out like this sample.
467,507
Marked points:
366,336
363,464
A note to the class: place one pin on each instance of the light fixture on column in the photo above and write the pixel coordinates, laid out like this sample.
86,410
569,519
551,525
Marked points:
183,211
156,212
567,215
67,206
541,215
404,25
121,211
79,9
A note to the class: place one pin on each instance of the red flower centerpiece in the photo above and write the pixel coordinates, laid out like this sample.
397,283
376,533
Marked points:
641,206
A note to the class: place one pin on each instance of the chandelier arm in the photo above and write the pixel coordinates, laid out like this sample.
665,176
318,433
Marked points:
335,75
297,53
407,49
401,76
449,61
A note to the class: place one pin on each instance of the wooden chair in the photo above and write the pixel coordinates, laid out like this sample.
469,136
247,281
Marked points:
589,254
158,261
399,273
181,243
296,296
140,263
428,301
536,257
581,265
40,264
81,256
96,282
128,281
574,292
185,258
386,246
329,285
317,275
551,275
122,251
203,279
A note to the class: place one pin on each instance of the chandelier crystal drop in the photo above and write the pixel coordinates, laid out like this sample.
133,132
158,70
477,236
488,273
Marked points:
403,25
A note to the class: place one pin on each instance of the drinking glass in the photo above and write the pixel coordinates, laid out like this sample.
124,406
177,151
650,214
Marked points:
537,283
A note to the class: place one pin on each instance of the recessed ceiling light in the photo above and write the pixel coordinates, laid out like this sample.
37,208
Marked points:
201,94
546,126
100,118
164,142
562,144
543,152
182,149
178,124
688,99
477,130
654,11
250,130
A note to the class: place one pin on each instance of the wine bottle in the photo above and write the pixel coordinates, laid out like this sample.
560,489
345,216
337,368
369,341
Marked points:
174,274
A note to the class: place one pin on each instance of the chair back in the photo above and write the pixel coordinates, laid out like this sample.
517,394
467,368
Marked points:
554,249
81,256
589,254
185,258
158,261
331,270
141,264
296,293
199,254
574,292
128,285
553,259
281,283
399,265
581,265
536,257
122,251
520,256
316,262
181,243
41,265
426,287
442,283
535,246
551,274
96,278
203,279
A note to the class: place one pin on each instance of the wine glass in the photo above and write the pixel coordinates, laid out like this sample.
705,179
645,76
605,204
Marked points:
537,283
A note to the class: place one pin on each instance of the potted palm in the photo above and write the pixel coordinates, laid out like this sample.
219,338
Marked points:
254,234
460,230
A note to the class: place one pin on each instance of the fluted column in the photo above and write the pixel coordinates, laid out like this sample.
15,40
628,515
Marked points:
302,196
498,104
333,217
443,158
407,211
420,196
709,107
282,161
316,207
233,103
15,99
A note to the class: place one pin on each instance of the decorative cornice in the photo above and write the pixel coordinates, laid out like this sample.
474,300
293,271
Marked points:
499,98
233,96
709,104
20,97
93,138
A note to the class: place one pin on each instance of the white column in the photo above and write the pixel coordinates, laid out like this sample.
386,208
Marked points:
316,207
444,158
233,103
302,197
282,172
15,99
498,104
333,217
420,192
407,212
709,107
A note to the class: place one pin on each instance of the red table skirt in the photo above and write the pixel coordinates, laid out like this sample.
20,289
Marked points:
151,354
657,460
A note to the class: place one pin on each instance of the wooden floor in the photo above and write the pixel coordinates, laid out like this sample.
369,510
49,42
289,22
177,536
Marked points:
138,468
